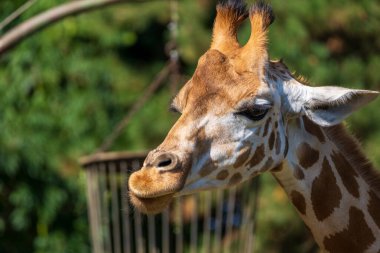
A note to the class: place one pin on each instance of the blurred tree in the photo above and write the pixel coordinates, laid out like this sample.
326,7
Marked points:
65,88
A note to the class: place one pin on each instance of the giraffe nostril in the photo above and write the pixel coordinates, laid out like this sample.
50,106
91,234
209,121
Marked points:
164,163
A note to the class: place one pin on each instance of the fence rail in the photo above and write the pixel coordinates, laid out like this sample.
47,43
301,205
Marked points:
212,221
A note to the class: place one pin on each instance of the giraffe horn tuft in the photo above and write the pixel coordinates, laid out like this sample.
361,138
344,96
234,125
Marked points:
238,7
230,14
255,51
263,12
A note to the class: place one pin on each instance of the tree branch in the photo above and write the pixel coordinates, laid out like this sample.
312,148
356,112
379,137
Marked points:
16,13
32,25
148,92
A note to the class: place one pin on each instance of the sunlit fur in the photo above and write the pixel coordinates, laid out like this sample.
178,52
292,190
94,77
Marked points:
213,145
206,102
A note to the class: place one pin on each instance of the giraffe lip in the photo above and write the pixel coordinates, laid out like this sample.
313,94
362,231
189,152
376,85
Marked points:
144,196
152,195
152,205
149,183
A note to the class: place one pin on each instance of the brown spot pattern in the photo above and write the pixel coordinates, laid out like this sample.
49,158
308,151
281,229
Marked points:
242,157
298,201
200,138
286,149
258,131
357,237
374,208
257,156
271,140
202,147
207,169
278,143
298,172
347,173
307,156
266,127
222,175
268,164
278,168
236,178
254,173
313,129
279,182
325,193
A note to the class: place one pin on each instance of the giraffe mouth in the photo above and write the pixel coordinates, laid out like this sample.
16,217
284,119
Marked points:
151,190
151,202
152,205
151,195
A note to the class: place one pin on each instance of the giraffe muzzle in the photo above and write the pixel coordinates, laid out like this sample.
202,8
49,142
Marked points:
153,187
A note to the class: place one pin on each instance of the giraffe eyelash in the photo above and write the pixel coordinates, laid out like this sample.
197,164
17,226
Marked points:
254,113
173,108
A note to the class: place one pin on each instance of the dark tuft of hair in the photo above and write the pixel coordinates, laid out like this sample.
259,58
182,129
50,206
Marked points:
237,6
265,10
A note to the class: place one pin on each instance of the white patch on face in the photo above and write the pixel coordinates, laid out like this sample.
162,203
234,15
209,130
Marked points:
228,135
225,136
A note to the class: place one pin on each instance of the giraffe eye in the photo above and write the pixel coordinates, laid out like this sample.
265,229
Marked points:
173,108
254,113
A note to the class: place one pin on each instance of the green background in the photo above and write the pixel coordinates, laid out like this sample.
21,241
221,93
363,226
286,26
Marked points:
66,87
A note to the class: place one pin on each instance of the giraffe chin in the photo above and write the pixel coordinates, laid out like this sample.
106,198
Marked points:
151,205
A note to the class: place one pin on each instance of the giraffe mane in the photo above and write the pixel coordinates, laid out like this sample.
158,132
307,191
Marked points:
351,149
301,79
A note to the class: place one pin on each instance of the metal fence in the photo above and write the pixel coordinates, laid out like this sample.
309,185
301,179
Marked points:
212,221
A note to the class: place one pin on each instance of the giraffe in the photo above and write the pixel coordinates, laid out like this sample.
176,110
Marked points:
242,114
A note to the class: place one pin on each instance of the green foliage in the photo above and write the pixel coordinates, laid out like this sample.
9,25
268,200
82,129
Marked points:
66,87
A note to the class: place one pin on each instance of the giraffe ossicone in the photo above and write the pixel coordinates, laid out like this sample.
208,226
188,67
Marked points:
242,115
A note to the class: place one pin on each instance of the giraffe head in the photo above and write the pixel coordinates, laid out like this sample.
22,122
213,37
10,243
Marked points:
234,112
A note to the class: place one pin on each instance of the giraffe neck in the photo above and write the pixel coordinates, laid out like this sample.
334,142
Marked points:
333,187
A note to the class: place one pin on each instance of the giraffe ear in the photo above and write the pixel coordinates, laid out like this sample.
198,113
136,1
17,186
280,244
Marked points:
328,105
